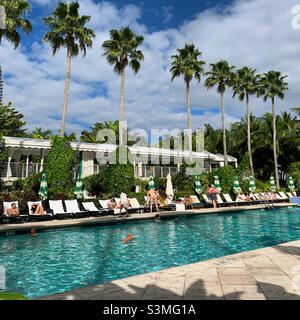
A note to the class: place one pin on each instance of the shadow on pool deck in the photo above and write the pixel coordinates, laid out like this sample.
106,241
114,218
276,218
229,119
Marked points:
196,291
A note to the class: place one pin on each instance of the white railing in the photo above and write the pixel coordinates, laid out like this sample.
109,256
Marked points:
20,170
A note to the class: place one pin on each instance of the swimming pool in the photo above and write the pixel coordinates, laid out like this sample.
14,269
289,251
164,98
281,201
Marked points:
64,259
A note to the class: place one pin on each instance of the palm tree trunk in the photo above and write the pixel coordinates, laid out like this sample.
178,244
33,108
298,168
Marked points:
122,107
275,144
249,136
224,129
66,94
189,116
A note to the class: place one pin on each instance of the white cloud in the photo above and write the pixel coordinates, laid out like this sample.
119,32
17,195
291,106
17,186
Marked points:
254,33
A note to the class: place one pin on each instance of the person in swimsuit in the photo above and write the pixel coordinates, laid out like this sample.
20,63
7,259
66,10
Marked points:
37,209
13,211
152,196
213,195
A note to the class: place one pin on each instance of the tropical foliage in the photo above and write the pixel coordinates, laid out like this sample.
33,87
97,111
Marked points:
60,167
16,11
11,121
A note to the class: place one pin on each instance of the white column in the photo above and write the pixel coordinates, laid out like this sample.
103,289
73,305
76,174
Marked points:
27,164
87,163
140,168
42,160
8,172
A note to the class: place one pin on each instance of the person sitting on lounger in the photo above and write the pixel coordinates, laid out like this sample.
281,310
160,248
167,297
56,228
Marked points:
267,197
112,204
188,201
13,211
273,195
37,209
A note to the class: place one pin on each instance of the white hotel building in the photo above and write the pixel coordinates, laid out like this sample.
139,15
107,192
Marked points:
27,156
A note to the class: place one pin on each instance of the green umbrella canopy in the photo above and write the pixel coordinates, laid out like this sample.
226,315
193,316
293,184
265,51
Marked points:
251,186
78,189
272,184
236,185
198,187
217,183
291,184
43,192
151,183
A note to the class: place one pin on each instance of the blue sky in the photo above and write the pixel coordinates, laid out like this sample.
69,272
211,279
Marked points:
256,33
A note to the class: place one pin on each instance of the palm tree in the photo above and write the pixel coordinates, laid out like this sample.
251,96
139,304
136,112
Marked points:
120,51
92,136
186,64
272,85
245,84
68,30
221,74
38,133
15,11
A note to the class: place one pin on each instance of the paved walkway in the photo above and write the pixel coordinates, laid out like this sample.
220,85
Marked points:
271,273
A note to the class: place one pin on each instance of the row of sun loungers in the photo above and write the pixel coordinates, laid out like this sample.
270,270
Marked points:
90,210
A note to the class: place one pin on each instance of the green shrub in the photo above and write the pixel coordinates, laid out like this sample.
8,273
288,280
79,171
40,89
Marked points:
59,168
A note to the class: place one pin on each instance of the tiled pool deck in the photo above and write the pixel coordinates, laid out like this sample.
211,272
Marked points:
264,274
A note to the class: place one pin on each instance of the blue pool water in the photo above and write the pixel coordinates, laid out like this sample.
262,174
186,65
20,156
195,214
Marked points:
66,259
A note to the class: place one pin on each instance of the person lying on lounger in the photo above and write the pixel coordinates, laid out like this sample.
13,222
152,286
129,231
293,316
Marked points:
240,197
37,209
248,197
13,211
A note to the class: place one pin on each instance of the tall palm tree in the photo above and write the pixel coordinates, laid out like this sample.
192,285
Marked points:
246,84
272,85
186,64
221,74
68,30
15,11
120,50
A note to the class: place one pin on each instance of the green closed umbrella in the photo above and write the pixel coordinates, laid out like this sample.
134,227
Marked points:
43,192
151,183
251,186
78,189
198,187
236,185
291,184
217,183
272,184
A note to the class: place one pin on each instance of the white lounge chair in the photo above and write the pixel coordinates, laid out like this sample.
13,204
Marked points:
208,202
58,209
221,202
294,194
282,195
93,210
72,206
229,200
135,205
38,217
290,195
6,217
